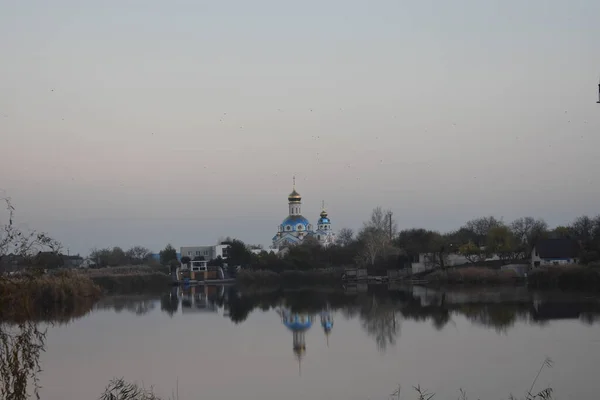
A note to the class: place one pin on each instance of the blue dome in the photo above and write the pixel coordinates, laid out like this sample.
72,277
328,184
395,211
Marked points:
297,322
293,221
324,220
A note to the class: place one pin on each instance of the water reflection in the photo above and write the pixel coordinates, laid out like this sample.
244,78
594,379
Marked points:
379,308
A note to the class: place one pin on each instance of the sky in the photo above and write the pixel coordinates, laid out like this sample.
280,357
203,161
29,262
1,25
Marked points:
147,122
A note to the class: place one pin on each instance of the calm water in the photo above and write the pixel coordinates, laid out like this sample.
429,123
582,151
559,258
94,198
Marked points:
218,344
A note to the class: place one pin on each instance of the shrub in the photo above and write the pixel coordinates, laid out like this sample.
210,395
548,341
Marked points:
473,275
572,277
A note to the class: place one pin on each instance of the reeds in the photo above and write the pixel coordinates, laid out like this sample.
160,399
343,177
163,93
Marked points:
473,275
130,279
565,277
46,297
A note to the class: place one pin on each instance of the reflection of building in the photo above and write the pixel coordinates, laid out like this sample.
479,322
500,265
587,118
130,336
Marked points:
327,323
298,324
295,228
200,298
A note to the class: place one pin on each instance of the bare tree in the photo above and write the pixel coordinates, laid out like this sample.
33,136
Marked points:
527,231
24,244
376,236
345,236
138,254
481,227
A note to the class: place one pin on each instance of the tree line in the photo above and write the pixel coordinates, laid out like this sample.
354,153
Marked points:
379,245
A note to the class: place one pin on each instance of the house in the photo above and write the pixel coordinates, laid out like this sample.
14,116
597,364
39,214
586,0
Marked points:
555,252
72,261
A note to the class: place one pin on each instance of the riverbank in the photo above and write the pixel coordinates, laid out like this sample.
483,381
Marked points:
473,276
131,279
290,277
46,297
569,277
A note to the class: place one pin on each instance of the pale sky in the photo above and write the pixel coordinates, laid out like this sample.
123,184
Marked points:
147,122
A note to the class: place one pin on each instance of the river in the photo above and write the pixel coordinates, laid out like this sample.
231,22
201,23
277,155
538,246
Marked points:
328,343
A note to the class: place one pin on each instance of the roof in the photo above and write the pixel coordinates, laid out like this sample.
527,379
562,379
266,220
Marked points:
557,248
294,220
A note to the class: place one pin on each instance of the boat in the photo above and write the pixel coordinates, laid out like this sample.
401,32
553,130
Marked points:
200,273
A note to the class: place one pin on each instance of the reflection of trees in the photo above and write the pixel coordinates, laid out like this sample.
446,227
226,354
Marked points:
20,349
501,317
380,322
239,308
381,310
169,302
136,304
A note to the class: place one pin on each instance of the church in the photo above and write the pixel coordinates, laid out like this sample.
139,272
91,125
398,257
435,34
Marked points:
295,228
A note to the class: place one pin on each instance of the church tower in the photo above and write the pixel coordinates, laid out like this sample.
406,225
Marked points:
324,233
295,201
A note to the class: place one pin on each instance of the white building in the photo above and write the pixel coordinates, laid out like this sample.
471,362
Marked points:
208,252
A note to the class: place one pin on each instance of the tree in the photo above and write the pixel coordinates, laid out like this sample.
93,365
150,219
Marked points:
501,241
22,244
238,253
560,232
481,228
167,255
185,260
117,257
373,243
101,256
471,252
583,228
375,238
381,220
345,236
527,231
415,241
138,255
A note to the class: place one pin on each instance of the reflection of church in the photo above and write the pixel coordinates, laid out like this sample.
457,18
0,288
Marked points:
295,228
299,324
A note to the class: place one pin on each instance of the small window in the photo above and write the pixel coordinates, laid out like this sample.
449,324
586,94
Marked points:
197,253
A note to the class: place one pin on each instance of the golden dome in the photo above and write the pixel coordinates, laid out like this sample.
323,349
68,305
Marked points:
294,197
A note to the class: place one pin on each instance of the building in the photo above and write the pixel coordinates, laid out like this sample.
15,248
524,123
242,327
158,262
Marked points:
208,252
555,252
295,227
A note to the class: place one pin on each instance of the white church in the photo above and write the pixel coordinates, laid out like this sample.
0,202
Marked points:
295,228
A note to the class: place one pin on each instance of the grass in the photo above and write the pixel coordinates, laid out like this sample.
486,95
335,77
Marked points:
473,275
119,389
130,279
46,297
565,277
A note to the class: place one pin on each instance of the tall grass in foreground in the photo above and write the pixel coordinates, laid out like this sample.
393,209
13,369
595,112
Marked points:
24,301
46,297
119,389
